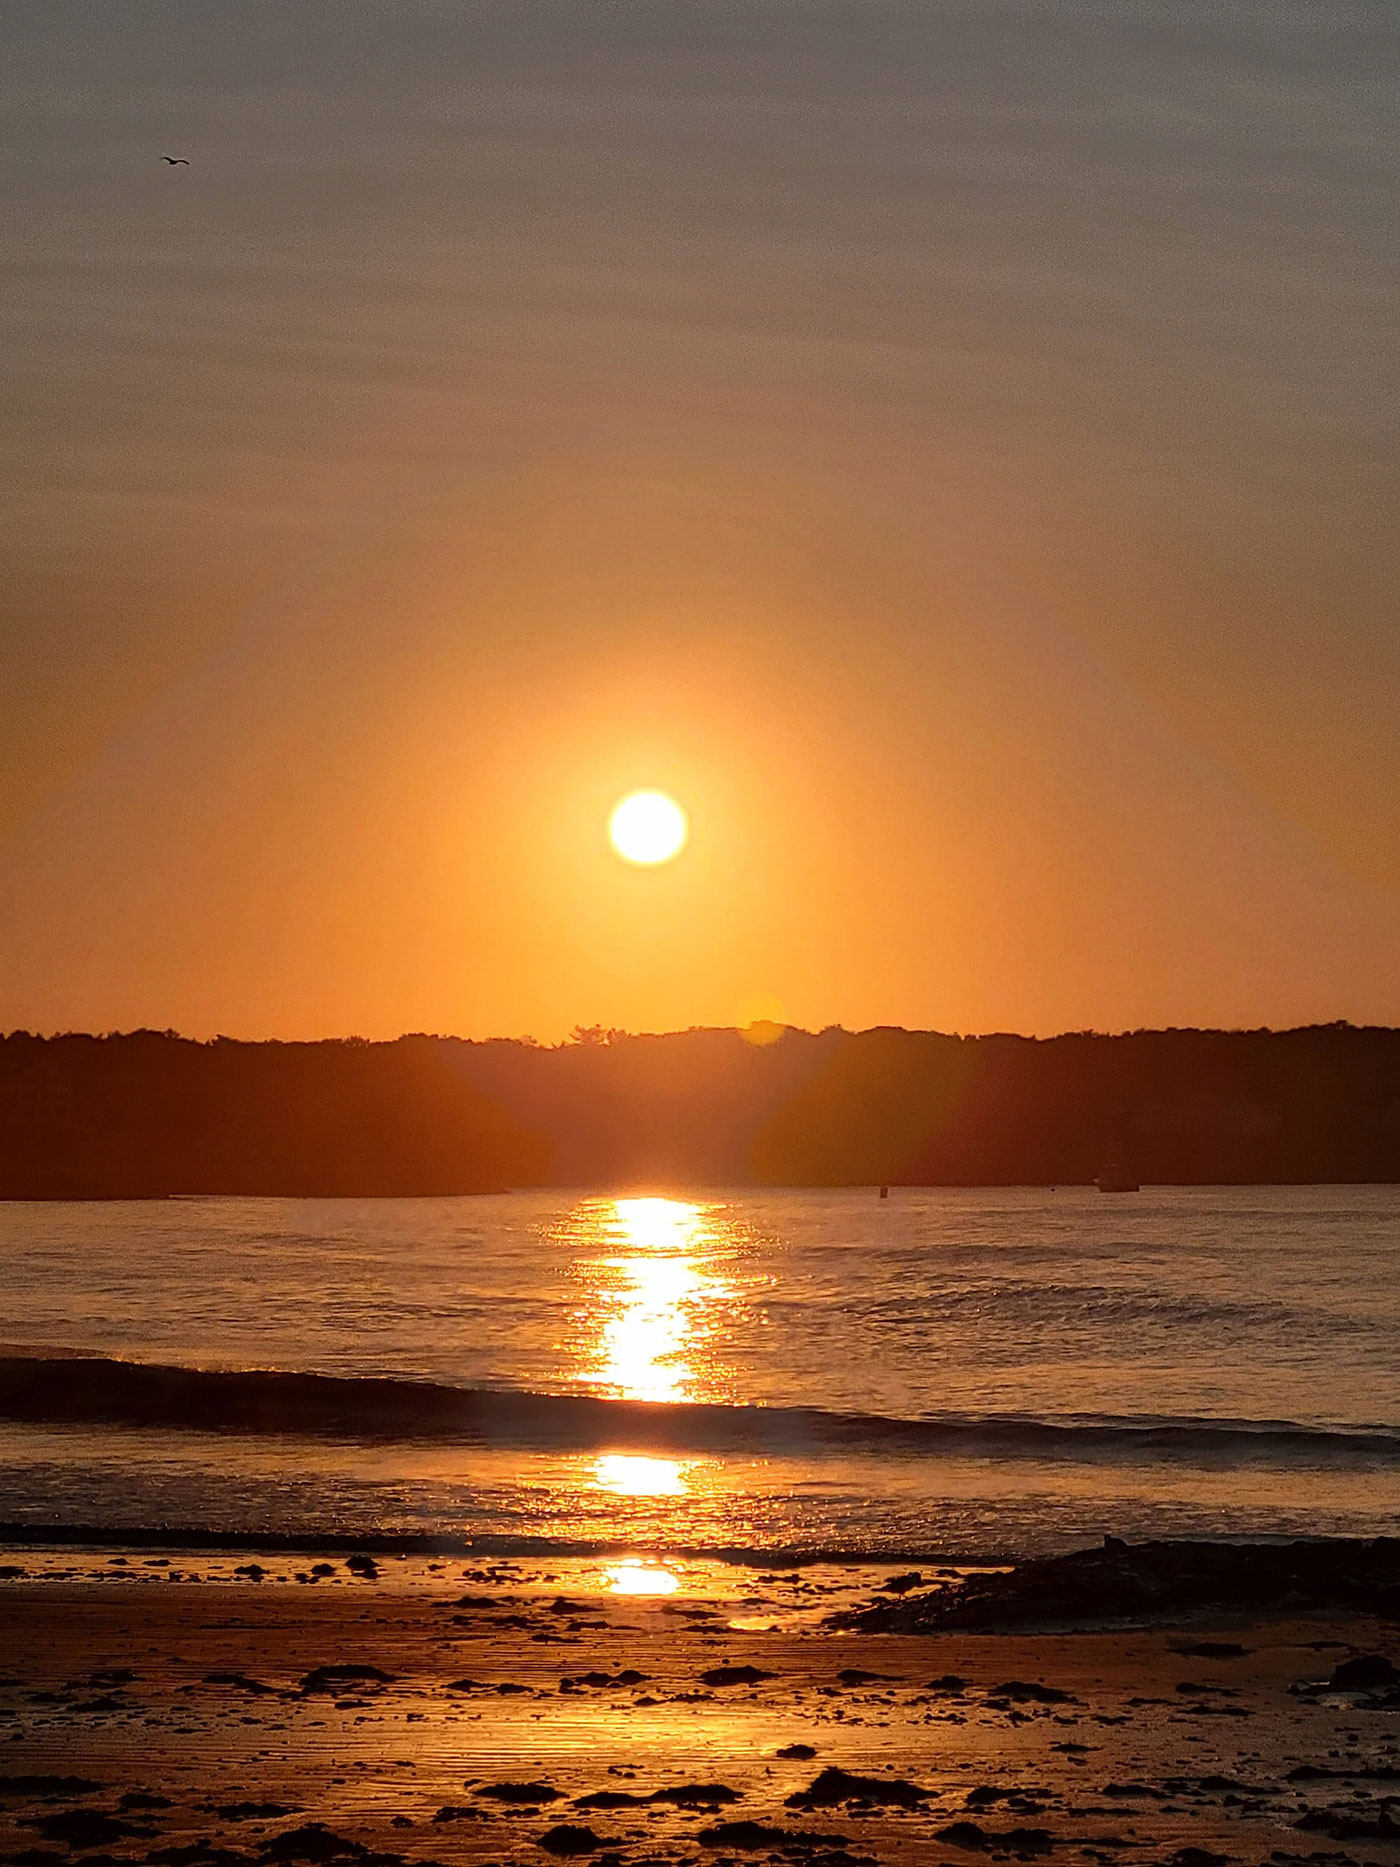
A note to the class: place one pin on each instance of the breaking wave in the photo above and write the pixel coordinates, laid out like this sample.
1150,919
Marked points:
74,1389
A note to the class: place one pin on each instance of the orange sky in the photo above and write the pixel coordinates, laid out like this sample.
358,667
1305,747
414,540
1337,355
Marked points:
943,445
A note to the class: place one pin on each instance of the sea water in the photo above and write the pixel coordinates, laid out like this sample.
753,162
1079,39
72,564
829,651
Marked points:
969,1373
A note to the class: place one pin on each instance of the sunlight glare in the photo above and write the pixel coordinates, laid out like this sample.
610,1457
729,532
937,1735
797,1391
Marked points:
656,1224
629,1475
641,1578
648,827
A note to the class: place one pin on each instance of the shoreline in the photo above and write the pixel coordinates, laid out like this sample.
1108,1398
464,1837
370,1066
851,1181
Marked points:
389,1543
1333,1563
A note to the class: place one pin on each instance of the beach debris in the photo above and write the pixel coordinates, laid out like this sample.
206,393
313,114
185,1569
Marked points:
696,1795
963,1835
84,1828
901,1584
364,1566
518,1792
1020,1840
1319,1857
628,1677
834,1786
1358,1772
1357,1823
735,1675
242,1681
1179,1785
458,1812
332,1678
243,1811
41,1786
1366,1673
314,1842
748,1834
796,1753
857,1675
681,1795
1030,1692
194,1854
572,1838
1022,1800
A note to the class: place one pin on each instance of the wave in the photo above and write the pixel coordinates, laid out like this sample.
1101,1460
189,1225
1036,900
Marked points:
77,1388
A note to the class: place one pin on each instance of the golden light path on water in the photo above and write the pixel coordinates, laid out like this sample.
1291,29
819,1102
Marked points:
658,1301
654,1313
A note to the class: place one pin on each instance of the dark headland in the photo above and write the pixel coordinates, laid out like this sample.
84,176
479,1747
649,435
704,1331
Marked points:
149,1114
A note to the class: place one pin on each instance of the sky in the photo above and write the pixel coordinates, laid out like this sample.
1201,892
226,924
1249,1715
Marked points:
947,444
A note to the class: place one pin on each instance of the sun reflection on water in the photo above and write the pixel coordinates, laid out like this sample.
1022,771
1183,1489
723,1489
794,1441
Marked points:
655,1297
629,1475
641,1578
657,1307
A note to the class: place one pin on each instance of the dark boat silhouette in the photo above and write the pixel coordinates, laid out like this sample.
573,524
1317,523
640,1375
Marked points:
1116,1179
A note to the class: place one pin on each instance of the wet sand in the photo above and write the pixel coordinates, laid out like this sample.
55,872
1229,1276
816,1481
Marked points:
499,1711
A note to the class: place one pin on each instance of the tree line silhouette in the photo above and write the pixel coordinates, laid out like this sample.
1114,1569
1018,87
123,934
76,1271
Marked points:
148,1113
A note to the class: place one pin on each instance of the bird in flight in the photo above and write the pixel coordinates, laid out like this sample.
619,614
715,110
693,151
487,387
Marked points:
177,161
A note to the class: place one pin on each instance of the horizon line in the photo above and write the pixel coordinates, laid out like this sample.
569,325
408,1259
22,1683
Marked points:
600,1037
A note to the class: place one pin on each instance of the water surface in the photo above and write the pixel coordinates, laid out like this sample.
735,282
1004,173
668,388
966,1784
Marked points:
958,1371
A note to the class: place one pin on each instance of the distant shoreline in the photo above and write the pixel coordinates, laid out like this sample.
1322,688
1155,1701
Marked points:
612,1189
150,1114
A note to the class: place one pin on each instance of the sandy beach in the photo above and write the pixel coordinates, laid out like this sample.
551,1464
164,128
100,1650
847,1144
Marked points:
224,1710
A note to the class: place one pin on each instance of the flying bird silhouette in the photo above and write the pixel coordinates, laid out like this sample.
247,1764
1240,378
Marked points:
176,161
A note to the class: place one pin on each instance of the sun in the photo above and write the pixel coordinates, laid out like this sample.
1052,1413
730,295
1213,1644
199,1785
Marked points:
648,827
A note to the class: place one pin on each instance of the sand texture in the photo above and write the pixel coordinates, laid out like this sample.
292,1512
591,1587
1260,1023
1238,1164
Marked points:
182,1714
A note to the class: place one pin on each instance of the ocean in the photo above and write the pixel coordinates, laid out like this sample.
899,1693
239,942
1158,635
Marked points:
967,1374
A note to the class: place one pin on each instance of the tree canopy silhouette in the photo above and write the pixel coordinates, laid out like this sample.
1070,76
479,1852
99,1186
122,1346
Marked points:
149,1113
